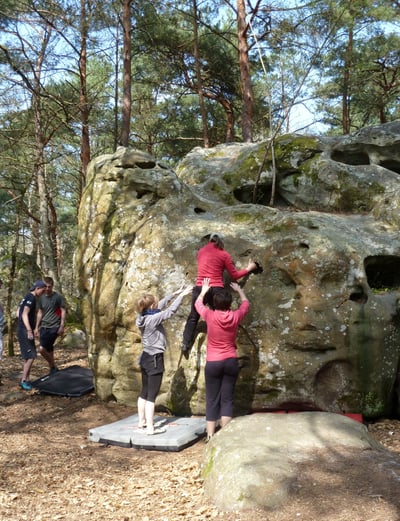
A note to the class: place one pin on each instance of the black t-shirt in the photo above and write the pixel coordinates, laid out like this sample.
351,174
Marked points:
30,301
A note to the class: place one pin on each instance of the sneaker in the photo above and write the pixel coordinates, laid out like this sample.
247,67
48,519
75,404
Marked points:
26,386
158,430
53,370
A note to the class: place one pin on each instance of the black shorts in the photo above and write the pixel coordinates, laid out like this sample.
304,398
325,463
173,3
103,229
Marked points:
48,335
27,347
152,364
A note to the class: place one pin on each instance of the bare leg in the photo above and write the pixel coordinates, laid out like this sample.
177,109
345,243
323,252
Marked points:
141,406
149,413
48,356
27,369
225,420
211,428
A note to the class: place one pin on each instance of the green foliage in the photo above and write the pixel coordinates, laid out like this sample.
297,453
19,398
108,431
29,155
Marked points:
296,55
361,65
166,120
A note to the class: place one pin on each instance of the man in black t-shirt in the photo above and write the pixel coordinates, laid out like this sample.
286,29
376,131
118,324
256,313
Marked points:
25,329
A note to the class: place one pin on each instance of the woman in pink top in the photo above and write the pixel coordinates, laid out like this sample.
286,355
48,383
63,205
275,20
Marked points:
222,368
212,261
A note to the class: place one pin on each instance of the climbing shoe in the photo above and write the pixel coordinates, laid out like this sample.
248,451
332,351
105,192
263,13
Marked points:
26,386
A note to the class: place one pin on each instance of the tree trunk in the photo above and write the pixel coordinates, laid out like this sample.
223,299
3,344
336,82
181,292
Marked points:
11,278
229,114
116,86
346,118
230,119
47,258
83,102
245,77
127,66
203,111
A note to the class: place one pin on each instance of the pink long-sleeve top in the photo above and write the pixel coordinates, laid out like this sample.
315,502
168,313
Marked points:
222,329
212,262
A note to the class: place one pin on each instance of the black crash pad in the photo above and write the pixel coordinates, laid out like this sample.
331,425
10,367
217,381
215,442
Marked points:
72,381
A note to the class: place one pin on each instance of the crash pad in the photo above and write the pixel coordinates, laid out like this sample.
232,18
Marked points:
180,433
354,416
72,381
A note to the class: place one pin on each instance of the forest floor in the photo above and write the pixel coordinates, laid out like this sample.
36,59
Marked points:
50,471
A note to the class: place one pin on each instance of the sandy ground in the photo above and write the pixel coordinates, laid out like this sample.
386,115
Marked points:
50,471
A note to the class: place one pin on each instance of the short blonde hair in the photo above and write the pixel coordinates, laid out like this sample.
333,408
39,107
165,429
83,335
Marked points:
145,302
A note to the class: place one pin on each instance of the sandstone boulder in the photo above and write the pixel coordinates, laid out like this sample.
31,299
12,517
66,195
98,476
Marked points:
323,330
254,462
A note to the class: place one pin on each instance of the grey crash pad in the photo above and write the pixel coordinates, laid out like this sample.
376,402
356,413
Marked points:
180,433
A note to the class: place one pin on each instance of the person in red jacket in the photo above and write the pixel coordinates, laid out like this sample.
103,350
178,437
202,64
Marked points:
212,261
222,367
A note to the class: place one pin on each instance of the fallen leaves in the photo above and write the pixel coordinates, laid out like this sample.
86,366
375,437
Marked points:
51,471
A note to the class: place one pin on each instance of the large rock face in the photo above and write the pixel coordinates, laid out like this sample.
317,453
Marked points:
323,331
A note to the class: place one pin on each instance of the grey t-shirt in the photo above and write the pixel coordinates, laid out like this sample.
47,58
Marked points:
51,307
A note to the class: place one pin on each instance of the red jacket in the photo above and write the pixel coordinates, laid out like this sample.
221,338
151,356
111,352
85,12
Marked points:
212,262
222,329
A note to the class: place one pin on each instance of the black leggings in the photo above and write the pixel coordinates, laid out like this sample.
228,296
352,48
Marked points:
220,378
152,367
150,386
193,318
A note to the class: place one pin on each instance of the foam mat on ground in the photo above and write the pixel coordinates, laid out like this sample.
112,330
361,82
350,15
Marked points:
180,433
73,381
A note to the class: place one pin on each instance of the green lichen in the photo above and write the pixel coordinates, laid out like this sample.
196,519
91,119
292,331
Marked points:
382,290
287,146
309,169
296,179
209,465
286,149
201,175
242,218
373,406
222,194
354,197
284,228
350,402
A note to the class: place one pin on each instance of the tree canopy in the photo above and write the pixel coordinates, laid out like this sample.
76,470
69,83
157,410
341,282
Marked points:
78,78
